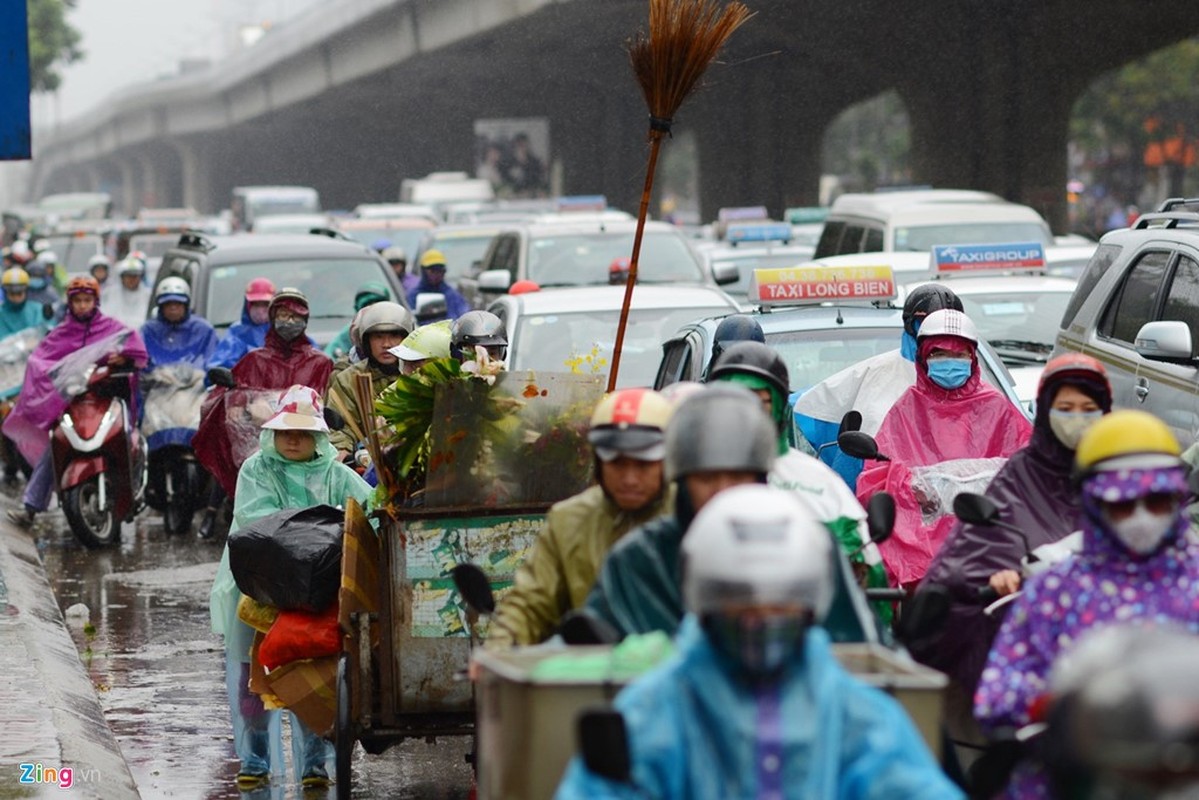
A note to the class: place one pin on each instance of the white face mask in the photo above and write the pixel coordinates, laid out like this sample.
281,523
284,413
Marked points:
1069,426
1142,533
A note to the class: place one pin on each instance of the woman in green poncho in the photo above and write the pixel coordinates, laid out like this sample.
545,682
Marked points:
296,468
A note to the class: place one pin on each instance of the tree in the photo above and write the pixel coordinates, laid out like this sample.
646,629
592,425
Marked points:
52,42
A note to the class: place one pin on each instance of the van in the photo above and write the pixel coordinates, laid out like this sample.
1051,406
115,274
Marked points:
251,202
438,189
917,220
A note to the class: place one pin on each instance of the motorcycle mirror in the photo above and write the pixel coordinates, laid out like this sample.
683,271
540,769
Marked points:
924,615
859,445
580,627
604,744
221,376
474,587
976,509
880,517
852,421
47,311
334,419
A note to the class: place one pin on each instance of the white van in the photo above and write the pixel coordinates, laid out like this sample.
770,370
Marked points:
438,189
917,220
251,202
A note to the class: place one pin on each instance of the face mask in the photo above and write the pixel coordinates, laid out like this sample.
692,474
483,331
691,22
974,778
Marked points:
1069,426
1143,531
950,373
760,646
260,315
37,284
288,331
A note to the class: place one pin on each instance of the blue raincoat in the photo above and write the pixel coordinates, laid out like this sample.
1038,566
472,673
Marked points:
455,303
16,317
696,731
241,338
191,341
268,483
184,348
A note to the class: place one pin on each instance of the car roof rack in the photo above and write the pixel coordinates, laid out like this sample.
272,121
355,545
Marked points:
332,233
196,240
1166,219
1174,203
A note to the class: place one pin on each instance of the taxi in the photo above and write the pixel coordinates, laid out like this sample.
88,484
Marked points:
1015,304
821,320
749,246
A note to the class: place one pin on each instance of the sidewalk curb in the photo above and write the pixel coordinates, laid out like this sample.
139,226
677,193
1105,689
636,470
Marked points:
48,688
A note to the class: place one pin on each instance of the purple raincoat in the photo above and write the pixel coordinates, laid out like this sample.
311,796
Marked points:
1036,494
40,403
1104,584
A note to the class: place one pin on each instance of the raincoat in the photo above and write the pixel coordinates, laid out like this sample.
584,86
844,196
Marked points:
1037,496
173,382
40,404
342,397
929,425
1103,584
455,303
15,317
241,338
276,365
561,568
129,307
268,483
869,387
191,341
696,731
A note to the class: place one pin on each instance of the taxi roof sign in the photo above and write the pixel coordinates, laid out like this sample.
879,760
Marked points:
806,215
741,214
969,259
581,202
758,232
810,284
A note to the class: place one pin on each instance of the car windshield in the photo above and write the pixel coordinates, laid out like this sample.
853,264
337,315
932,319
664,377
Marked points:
923,238
329,284
814,355
410,240
461,252
563,342
75,251
748,263
1021,326
154,245
584,259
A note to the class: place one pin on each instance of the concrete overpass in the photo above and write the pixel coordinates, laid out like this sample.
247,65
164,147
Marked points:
358,94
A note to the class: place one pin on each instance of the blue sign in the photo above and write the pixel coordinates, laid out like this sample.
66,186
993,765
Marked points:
958,258
758,232
15,139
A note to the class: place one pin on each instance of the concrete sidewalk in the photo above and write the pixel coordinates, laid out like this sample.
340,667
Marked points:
50,716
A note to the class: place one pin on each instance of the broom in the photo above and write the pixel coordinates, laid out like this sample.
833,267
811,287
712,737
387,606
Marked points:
684,37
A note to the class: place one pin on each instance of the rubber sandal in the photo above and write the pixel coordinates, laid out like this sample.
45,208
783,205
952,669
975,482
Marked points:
249,780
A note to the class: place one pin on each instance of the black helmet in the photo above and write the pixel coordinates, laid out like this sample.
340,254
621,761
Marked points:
753,358
924,300
477,328
720,428
735,328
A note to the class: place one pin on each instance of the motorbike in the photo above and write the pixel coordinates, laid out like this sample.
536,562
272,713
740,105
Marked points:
178,484
100,458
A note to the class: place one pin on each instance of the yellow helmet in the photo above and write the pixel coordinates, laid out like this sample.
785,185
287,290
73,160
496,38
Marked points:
630,422
432,258
1123,434
14,276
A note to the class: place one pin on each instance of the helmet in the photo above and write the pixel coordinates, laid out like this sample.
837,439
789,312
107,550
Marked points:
1124,438
49,256
1079,368
40,245
720,428
98,260
752,358
392,252
20,251
36,269
259,290
756,544
380,245
385,317
630,422
427,341
618,270
81,284
948,322
131,266
14,276
299,408
524,287
290,297
735,328
368,293
173,290
432,258
477,328
924,300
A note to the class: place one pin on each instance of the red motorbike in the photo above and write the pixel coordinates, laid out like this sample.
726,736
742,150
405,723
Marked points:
100,458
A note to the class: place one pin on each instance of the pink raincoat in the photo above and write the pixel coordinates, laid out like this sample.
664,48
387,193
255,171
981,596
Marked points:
929,425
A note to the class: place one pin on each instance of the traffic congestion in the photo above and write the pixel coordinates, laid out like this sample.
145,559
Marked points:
421,510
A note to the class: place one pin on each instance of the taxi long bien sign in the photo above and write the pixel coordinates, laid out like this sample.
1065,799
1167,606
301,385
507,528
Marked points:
15,139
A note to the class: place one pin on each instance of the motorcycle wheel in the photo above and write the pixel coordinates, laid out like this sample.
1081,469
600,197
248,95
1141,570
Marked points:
91,524
180,505
343,731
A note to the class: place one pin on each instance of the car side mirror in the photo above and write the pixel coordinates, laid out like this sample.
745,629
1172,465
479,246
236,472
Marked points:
604,744
430,305
724,273
859,445
976,509
880,517
1166,340
495,281
222,376
852,421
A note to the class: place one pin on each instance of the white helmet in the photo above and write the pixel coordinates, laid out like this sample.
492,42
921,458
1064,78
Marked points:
131,266
49,256
173,289
755,544
40,245
948,322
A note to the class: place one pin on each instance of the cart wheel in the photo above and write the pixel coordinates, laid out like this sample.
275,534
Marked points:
343,736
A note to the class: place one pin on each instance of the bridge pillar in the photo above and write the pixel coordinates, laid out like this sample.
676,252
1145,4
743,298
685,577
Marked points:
197,186
127,201
149,193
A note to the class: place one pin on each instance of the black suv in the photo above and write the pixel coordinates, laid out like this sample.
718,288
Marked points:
327,268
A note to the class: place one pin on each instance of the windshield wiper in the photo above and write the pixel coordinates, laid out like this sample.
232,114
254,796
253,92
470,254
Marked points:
1021,344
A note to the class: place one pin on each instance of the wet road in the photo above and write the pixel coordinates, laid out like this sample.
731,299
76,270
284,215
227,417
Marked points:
159,671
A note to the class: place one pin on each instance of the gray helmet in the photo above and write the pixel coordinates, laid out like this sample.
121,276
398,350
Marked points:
477,328
384,317
720,428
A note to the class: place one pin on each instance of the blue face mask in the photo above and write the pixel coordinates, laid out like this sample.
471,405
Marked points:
37,284
950,373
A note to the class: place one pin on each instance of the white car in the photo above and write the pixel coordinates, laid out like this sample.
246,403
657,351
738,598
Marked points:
565,330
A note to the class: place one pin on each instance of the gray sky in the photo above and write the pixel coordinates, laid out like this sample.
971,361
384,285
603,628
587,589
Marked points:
133,41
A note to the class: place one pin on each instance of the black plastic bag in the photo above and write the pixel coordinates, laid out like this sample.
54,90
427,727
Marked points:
290,559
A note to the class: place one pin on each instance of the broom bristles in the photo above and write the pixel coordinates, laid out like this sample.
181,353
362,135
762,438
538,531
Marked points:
684,37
